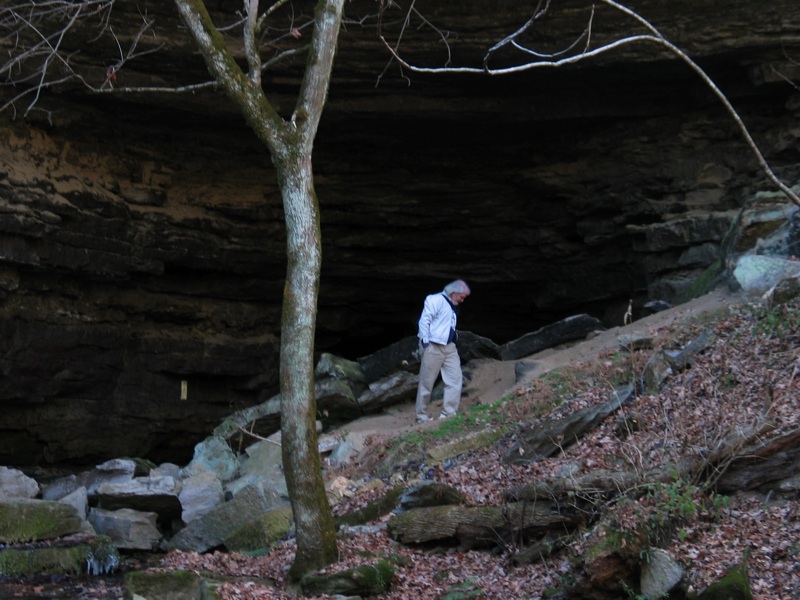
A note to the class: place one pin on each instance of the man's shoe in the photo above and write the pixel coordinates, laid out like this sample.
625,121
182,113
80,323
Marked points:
421,420
444,416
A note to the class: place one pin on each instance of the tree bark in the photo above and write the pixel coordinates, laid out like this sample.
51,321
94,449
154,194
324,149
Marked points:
290,144
481,526
314,525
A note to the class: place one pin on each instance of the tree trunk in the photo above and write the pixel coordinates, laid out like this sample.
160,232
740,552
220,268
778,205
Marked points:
290,144
316,532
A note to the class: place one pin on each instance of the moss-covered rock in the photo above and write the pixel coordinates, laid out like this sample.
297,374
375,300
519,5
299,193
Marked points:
261,532
339,368
175,585
93,557
702,284
733,586
465,443
430,493
374,510
26,520
368,580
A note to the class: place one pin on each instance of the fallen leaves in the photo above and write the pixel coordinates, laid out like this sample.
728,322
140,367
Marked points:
749,376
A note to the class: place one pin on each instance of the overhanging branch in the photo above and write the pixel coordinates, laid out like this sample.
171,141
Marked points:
552,60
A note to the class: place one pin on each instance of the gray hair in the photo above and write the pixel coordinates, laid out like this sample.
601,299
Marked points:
457,287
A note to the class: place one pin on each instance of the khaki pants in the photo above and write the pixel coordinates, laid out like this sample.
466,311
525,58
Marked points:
444,359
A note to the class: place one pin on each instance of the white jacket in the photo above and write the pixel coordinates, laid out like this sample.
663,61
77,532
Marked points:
438,318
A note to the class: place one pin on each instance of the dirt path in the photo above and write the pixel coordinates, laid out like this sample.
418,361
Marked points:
487,380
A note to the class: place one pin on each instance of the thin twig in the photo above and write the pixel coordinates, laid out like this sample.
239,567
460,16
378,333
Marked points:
653,37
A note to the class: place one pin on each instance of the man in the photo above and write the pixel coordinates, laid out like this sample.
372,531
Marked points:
438,353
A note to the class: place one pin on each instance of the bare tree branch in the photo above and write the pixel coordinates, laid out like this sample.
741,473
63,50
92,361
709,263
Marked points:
552,60
33,34
251,41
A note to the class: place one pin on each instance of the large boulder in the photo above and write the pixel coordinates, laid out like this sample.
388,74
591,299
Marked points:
199,494
92,556
26,520
129,529
566,330
215,455
15,484
211,530
149,494
758,274
156,585
262,532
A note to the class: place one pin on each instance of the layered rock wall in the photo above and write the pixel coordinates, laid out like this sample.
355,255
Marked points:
142,235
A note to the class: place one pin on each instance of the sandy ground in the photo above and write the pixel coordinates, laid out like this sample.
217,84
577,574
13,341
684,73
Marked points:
487,380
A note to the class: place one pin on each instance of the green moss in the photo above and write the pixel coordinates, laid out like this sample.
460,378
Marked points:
374,510
488,420
42,561
379,576
610,543
463,444
261,533
24,520
95,557
367,580
733,586
174,585
702,285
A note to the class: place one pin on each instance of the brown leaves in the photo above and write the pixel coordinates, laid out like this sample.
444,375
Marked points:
746,377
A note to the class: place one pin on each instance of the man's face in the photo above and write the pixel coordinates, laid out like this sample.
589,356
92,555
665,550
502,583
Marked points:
458,298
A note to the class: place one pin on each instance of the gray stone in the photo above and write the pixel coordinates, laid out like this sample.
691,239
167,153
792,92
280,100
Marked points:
769,226
637,340
683,231
176,585
786,291
656,371
166,470
199,494
656,306
148,494
388,391
263,465
118,470
399,355
79,500
336,367
678,360
700,256
210,530
58,488
129,529
15,484
215,455
242,419
660,574
790,484
336,396
28,519
472,346
758,274
549,336
346,449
